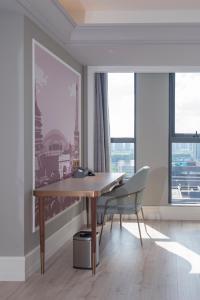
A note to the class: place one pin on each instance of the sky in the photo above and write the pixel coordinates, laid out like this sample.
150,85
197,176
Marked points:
187,103
121,104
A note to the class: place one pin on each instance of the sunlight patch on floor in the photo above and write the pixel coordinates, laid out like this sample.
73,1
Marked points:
152,233
190,256
164,242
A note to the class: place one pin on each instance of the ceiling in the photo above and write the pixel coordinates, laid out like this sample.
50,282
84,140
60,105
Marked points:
94,5
118,32
124,11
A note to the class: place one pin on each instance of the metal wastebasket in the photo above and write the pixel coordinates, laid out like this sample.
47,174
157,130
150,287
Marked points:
82,250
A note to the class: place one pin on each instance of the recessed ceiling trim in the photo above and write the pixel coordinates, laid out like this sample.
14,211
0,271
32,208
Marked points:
138,33
95,12
129,5
107,43
38,18
64,12
145,16
141,69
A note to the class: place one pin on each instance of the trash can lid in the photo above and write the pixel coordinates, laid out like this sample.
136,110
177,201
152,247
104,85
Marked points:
83,235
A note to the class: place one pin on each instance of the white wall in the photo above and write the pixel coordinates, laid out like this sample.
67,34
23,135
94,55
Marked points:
152,131
11,135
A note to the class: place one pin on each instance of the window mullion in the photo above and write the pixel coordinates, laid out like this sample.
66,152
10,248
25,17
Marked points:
122,140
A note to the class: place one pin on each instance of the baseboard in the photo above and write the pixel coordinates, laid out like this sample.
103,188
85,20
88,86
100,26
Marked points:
170,212
53,243
20,268
12,268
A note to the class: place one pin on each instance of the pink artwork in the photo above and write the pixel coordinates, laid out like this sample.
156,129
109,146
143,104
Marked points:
56,126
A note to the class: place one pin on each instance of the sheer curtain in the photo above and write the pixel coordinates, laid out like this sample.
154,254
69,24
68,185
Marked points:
101,125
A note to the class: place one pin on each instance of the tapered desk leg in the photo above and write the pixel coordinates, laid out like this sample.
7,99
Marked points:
87,211
42,234
93,225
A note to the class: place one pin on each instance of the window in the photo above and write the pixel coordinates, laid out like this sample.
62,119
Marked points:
121,102
184,138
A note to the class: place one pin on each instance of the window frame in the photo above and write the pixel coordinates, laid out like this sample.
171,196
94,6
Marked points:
176,137
128,139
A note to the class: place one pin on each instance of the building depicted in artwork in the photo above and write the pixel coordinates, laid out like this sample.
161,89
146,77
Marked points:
38,144
76,130
56,154
54,143
64,165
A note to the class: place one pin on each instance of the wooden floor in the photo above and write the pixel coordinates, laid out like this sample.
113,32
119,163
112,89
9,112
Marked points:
167,268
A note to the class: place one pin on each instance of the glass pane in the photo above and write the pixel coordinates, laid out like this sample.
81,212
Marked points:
187,103
185,175
121,104
122,158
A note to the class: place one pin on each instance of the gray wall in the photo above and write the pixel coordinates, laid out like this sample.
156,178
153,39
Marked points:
16,33
11,135
32,31
152,130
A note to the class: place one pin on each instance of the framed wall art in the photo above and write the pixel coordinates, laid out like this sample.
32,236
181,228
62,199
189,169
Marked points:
56,125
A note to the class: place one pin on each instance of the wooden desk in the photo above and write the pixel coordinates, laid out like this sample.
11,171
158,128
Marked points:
90,187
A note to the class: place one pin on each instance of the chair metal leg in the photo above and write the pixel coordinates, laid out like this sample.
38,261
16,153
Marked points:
102,226
111,222
139,229
120,221
143,220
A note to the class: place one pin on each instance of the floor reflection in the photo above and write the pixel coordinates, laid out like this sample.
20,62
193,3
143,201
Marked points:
164,242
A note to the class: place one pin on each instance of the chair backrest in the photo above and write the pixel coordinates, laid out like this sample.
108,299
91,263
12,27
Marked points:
135,184
138,181
129,196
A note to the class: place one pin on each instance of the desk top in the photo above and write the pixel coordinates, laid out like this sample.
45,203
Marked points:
89,186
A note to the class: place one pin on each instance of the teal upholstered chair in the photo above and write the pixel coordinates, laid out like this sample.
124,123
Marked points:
125,199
